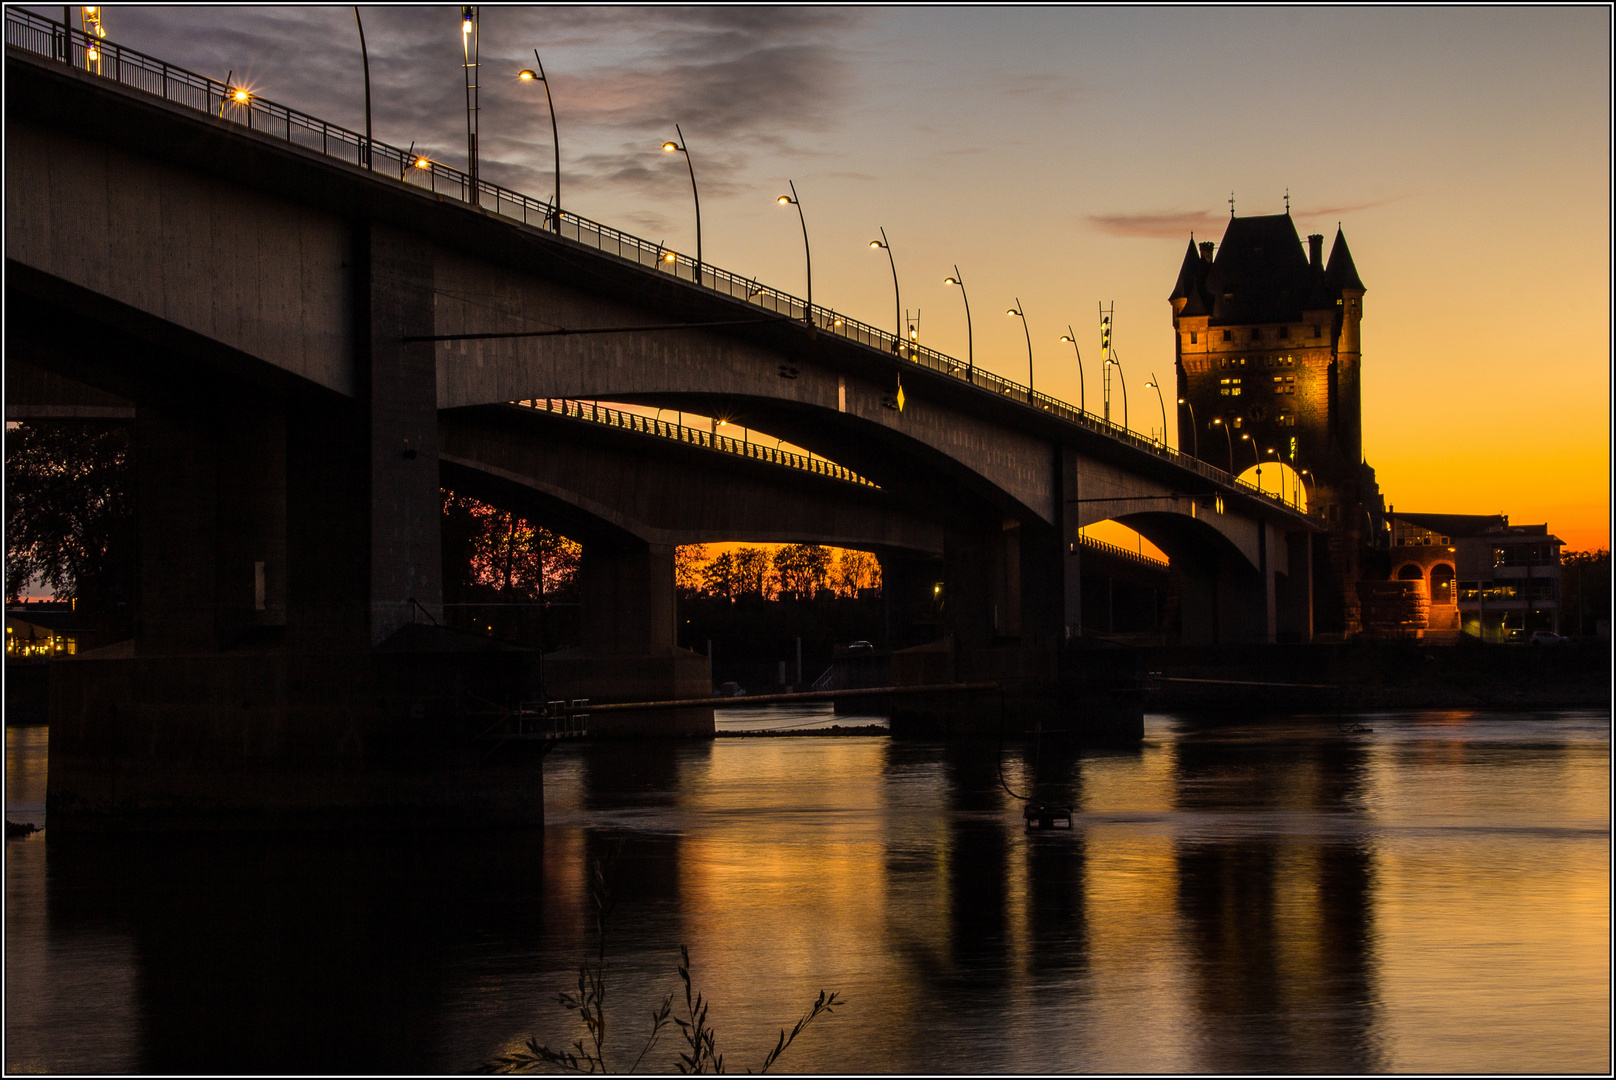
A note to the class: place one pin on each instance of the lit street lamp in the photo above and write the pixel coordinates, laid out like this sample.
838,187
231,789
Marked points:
1218,421
469,38
1195,436
1153,385
791,200
670,147
1017,311
1255,457
970,360
529,76
1069,336
897,301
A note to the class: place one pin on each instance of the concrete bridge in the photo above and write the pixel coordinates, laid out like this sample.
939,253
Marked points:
314,333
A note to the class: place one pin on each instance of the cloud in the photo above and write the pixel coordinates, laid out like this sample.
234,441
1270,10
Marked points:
740,80
1157,225
1045,91
1344,210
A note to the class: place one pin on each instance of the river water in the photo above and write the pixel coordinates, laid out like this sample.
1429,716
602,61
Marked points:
1430,895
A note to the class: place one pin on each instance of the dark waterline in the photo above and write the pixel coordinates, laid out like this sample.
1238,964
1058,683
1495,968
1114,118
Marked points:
1431,895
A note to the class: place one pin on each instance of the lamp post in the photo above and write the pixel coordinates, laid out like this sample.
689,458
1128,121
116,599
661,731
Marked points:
1070,336
1112,360
529,76
1195,436
1018,312
364,56
897,300
1218,421
1257,460
784,200
670,147
970,360
469,37
1153,385
1301,484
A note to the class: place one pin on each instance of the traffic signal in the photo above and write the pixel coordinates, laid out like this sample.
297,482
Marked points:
1105,335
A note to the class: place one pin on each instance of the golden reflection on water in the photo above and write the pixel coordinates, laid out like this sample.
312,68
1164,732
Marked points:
1432,896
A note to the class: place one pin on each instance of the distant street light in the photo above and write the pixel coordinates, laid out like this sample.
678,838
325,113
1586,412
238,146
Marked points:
1072,337
1195,436
529,76
1218,421
1255,457
670,147
364,56
970,359
1112,359
784,200
1152,384
897,300
1017,311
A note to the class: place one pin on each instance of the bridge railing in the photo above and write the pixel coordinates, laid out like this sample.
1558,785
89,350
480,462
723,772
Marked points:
649,425
1122,552
45,37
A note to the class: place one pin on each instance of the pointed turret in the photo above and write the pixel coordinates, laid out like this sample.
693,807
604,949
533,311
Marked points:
1340,273
1188,275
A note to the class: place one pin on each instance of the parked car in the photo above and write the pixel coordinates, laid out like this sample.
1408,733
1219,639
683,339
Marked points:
1547,637
859,646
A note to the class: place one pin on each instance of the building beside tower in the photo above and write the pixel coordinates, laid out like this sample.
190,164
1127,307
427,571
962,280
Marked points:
1268,355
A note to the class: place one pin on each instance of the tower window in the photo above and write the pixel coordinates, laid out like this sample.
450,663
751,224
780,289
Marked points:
1284,332
1229,387
1285,419
1228,336
1256,333
1192,337
1313,331
1284,384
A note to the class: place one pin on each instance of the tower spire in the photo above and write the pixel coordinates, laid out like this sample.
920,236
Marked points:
1231,204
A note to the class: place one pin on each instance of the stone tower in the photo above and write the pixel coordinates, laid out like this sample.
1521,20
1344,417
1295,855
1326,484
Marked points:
1269,347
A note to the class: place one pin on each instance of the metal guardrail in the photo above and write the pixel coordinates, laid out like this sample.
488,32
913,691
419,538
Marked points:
45,37
647,425
1121,552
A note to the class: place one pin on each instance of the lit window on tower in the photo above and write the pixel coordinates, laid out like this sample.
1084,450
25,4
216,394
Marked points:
1229,387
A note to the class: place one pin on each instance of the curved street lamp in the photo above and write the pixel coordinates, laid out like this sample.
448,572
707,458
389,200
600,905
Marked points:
1256,458
1017,311
791,200
1153,385
1195,436
897,300
364,55
469,38
670,147
1218,421
529,76
1069,336
1112,359
970,360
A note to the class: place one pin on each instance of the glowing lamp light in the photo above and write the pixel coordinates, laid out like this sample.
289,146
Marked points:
875,243
784,200
669,257
240,97
526,76
670,147
951,281
422,163
92,54
838,322
1067,337
914,335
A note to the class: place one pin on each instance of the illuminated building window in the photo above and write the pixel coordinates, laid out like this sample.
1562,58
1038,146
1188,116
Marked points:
1284,384
1229,387
1285,419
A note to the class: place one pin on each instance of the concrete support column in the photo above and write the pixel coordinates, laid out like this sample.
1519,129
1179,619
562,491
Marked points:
1071,575
327,527
177,509
627,596
1294,592
394,287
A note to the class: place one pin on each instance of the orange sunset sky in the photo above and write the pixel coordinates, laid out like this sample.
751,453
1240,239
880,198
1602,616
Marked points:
1064,156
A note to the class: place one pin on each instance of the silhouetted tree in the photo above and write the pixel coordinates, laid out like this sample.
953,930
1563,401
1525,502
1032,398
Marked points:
689,565
753,574
857,570
1584,590
70,518
802,568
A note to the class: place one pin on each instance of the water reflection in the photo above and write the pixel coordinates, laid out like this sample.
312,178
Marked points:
1277,899
1279,919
